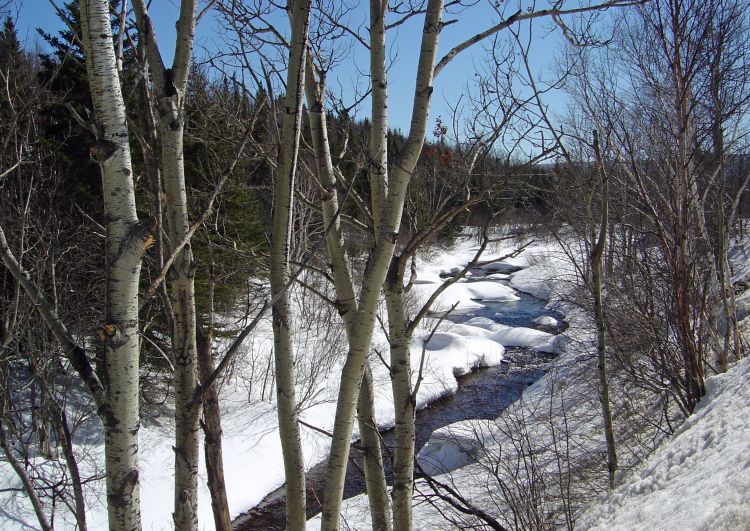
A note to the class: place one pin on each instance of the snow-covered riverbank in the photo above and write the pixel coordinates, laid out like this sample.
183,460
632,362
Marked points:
696,479
252,454
699,478
711,449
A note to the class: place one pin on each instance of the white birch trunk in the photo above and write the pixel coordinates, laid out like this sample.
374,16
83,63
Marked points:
170,87
125,240
184,348
379,130
597,254
289,432
377,488
376,270
403,405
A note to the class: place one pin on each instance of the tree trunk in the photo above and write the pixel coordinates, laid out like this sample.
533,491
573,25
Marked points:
184,348
377,488
65,440
379,131
375,272
346,301
403,404
170,88
212,432
601,329
294,466
125,241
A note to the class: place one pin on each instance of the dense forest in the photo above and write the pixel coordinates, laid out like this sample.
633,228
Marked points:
159,220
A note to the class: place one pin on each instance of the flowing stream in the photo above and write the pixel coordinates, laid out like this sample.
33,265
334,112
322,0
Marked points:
482,394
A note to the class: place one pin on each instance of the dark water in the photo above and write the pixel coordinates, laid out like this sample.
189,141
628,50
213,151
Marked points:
482,394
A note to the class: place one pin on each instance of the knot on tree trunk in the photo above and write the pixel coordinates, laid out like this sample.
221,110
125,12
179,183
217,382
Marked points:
122,493
103,150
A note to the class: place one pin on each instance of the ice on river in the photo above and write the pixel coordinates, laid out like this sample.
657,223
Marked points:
466,295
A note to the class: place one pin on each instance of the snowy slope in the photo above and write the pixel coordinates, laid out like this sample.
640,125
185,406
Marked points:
697,479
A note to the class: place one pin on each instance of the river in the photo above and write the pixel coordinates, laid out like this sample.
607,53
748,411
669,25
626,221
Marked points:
482,394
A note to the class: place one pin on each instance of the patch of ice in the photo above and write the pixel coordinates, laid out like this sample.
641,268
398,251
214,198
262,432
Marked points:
546,320
448,449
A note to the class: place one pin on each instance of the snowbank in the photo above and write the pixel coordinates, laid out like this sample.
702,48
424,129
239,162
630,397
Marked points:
699,478
546,320
448,449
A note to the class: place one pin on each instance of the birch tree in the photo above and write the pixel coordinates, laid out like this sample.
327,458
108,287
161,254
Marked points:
388,184
389,217
291,445
169,94
126,242
115,390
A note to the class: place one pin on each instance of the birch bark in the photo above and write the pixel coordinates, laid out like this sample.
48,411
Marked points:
376,269
289,432
170,87
403,403
125,241
377,490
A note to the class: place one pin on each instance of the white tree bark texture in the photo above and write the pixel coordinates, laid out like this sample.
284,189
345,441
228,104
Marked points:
125,242
376,269
289,431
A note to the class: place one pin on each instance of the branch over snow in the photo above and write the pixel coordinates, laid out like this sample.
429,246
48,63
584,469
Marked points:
75,353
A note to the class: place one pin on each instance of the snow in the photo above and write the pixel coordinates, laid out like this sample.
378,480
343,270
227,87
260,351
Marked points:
447,450
507,336
251,441
696,479
699,478
466,295
546,320
447,356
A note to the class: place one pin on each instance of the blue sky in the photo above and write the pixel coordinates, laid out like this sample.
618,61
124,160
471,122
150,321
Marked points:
404,42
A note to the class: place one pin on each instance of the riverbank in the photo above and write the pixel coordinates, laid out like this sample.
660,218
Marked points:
251,441
463,453
488,311
542,462
253,463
